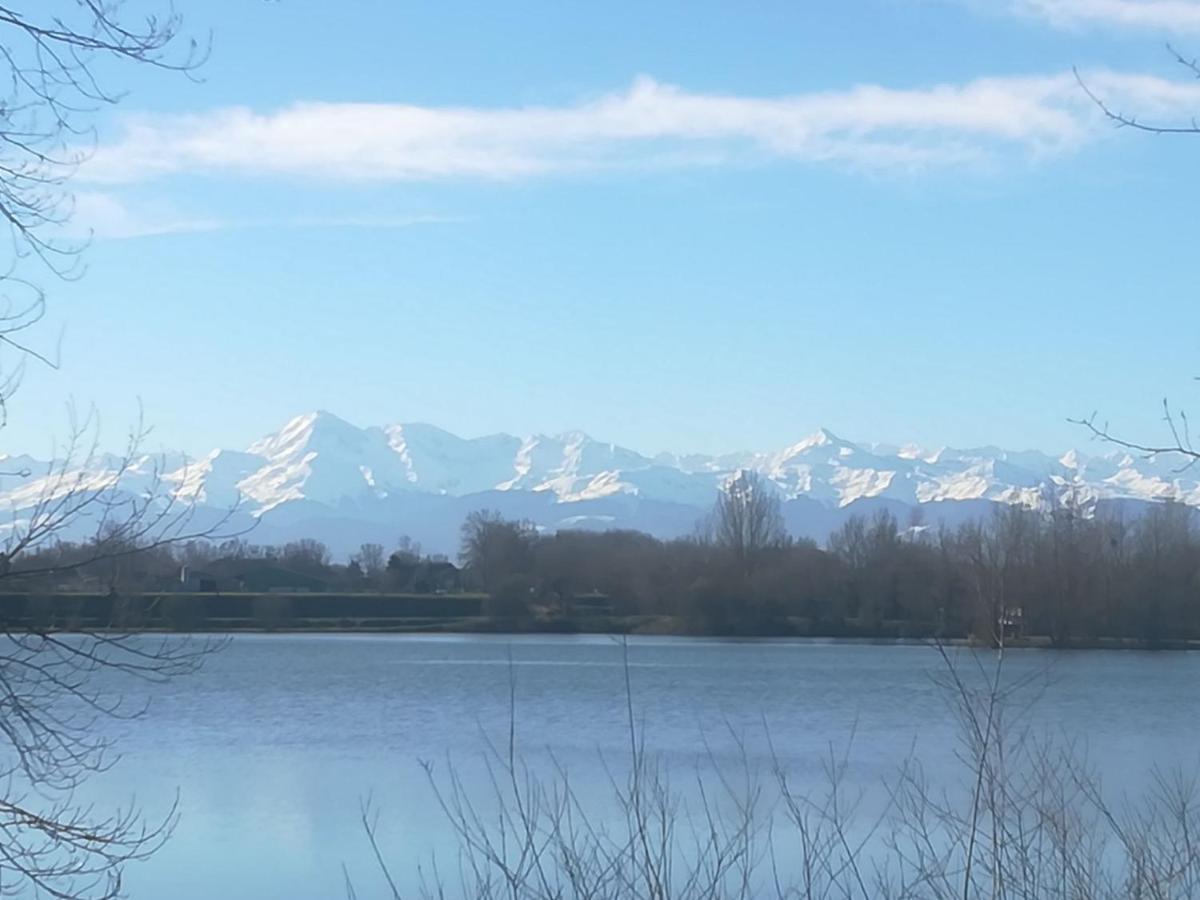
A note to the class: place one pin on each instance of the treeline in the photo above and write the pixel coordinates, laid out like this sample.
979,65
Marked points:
230,566
1058,574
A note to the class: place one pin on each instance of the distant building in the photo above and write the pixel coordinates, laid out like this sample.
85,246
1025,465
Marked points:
1012,622
423,576
193,581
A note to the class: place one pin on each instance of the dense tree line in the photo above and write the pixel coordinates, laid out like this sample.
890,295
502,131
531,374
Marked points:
67,566
1063,574
1060,574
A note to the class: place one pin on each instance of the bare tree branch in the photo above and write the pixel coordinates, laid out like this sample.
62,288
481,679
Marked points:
55,56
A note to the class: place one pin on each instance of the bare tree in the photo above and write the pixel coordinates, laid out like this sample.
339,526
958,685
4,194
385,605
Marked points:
370,558
996,556
306,555
55,58
494,547
55,687
747,519
408,548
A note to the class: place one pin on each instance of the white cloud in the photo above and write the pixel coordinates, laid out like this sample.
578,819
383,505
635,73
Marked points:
650,124
1167,15
106,216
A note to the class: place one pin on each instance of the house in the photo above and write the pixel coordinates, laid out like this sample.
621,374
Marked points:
441,576
424,576
260,576
194,581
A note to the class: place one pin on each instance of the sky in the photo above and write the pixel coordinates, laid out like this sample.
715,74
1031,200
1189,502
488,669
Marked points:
691,226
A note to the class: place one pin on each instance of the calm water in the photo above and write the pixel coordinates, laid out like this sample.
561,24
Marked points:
275,743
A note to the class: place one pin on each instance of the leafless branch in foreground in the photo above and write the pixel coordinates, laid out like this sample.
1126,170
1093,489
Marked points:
1023,818
56,60
1126,120
1178,427
57,688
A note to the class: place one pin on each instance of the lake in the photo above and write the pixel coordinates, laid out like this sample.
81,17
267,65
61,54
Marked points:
275,743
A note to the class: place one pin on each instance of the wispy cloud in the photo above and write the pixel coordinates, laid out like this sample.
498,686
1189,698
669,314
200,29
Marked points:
107,216
1165,15
650,124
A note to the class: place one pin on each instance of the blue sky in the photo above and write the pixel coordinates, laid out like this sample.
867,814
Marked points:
684,226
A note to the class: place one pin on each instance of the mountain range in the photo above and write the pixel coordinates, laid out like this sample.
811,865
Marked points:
322,477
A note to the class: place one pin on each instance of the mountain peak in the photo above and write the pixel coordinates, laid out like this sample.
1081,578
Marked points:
304,430
322,420
822,437
344,483
574,438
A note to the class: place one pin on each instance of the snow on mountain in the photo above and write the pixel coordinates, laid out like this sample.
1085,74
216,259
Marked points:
440,462
322,458
572,466
344,483
834,471
215,479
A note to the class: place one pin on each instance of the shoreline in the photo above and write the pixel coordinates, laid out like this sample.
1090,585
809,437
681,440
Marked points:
1028,643
465,614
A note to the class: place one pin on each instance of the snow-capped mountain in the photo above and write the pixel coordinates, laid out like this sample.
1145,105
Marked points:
320,476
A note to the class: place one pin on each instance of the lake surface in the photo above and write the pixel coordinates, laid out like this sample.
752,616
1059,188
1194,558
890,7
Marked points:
275,743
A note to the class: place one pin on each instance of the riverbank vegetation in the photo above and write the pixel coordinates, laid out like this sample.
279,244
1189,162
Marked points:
1059,577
